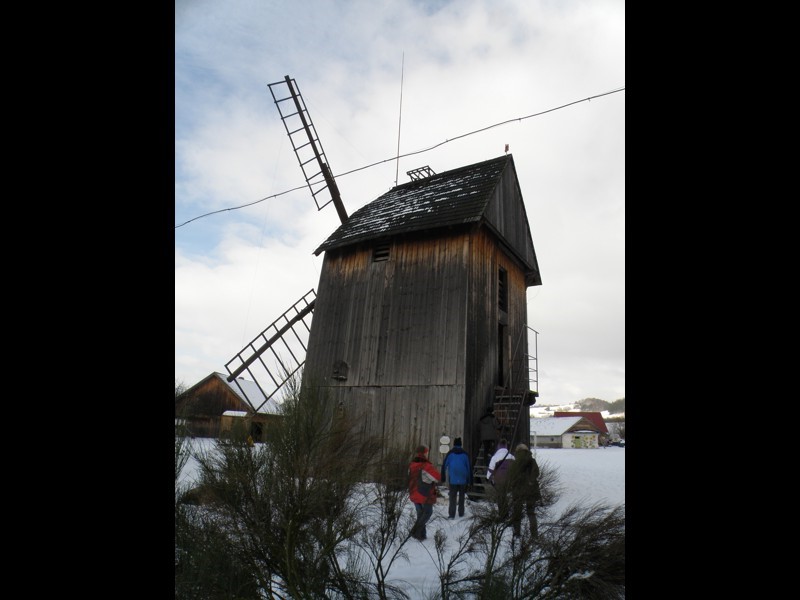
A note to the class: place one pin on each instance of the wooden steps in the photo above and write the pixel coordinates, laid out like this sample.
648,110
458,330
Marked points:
479,489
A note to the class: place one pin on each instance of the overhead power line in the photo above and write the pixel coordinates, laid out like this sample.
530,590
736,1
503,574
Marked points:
399,156
300,187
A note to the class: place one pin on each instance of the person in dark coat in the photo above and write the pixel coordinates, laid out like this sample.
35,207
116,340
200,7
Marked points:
523,478
457,468
422,480
489,428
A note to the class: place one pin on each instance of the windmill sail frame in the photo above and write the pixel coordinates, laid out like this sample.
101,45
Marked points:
295,321
307,145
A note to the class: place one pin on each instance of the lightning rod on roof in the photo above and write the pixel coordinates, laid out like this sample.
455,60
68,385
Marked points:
400,117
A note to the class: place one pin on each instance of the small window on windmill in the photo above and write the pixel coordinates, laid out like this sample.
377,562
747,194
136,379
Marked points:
502,289
380,252
340,369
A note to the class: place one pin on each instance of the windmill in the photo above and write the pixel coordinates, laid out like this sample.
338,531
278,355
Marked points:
420,313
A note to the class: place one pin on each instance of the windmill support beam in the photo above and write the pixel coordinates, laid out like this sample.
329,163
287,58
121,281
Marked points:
337,199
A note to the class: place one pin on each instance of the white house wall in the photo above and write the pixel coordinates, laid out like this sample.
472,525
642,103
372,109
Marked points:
580,440
567,440
546,441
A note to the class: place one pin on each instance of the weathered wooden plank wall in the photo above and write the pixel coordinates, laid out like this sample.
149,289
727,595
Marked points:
507,216
396,322
400,325
482,326
418,333
405,415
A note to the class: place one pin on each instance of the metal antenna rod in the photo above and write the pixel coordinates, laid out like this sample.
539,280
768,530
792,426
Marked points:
400,118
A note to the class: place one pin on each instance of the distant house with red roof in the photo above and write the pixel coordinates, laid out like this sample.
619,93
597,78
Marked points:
594,417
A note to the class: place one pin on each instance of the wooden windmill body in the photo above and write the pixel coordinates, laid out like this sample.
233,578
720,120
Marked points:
420,322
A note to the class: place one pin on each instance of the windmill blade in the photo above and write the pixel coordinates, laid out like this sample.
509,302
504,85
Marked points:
306,145
286,339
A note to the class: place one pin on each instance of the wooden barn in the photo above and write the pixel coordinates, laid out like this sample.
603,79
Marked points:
420,321
215,407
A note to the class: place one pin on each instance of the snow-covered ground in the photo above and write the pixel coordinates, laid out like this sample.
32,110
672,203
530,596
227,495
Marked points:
586,476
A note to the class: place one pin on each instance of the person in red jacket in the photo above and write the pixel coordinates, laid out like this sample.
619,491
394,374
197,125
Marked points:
422,480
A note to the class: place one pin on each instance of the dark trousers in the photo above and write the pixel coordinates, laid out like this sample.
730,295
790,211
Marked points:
424,512
529,506
500,493
488,450
457,494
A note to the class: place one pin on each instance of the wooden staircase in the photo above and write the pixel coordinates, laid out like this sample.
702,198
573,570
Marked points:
480,485
511,409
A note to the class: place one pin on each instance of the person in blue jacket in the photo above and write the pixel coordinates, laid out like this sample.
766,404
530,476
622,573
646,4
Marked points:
457,471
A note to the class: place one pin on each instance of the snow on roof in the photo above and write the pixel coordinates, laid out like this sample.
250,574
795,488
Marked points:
254,394
553,425
235,413
455,197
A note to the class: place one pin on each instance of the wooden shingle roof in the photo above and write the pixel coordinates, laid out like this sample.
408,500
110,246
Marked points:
456,197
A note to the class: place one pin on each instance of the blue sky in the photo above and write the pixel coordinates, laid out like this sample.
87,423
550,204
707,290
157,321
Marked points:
464,66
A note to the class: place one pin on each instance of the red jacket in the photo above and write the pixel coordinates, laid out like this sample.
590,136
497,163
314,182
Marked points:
416,495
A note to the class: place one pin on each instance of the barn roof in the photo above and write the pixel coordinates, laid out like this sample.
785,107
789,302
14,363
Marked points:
253,394
457,197
594,417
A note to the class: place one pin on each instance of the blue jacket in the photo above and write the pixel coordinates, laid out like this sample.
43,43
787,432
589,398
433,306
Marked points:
456,467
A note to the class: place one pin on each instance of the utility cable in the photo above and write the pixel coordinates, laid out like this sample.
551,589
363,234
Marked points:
399,156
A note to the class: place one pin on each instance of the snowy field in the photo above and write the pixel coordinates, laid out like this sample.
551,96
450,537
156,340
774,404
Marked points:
586,476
